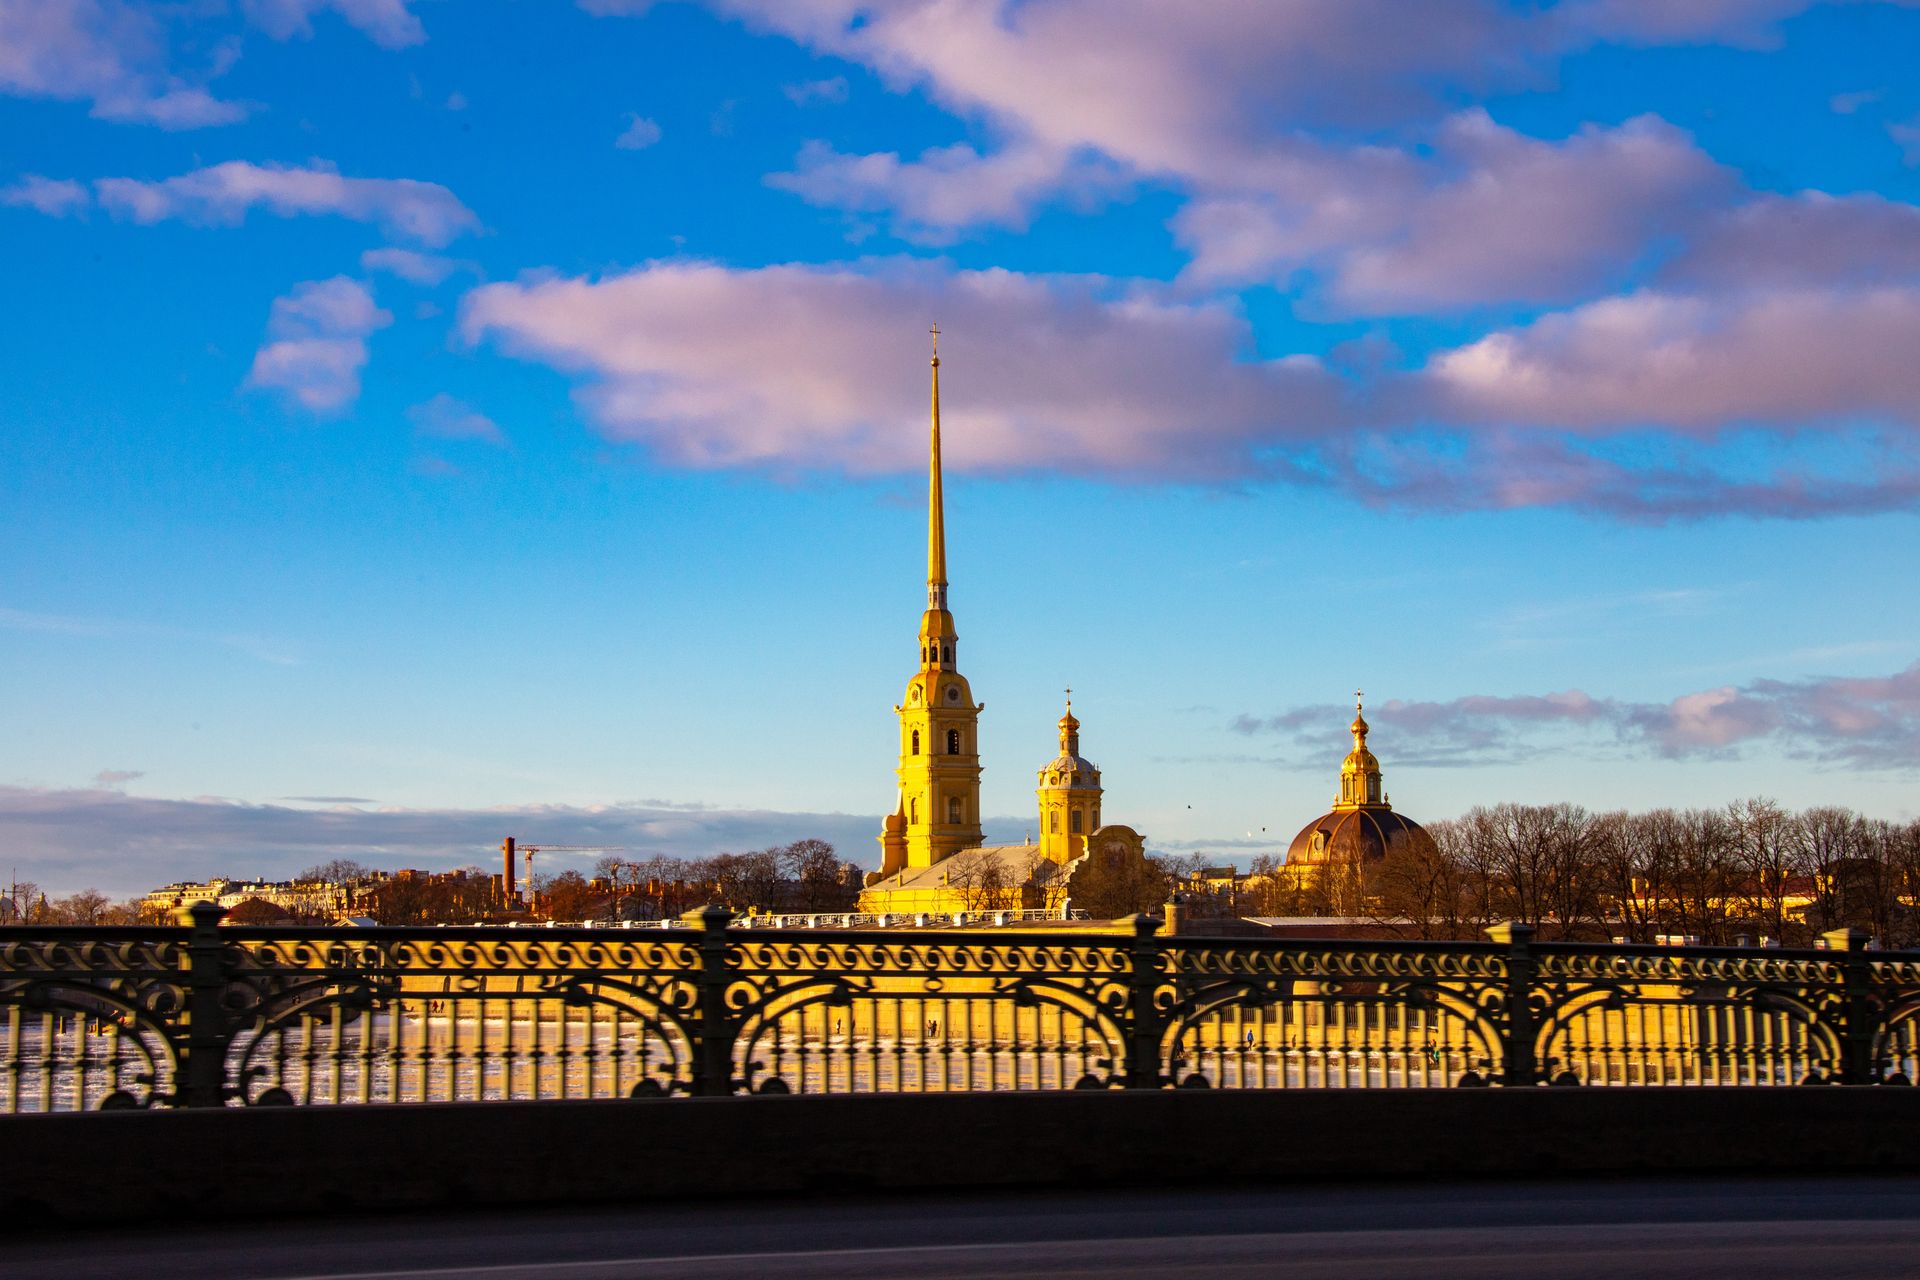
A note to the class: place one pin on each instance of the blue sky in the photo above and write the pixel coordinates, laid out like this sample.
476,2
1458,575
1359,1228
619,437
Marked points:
431,421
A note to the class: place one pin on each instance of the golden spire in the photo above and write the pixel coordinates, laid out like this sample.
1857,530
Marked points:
936,518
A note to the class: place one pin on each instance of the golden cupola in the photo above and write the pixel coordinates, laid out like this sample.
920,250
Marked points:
1069,794
1360,782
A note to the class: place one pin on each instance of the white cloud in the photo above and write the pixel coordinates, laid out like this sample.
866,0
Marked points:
832,89
388,23
802,366
1180,89
1846,104
1196,90
947,188
1749,22
317,343
1871,721
224,193
54,197
124,845
1792,356
1510,468
413,266
446,418
1907,135
799,367
1494,217
639,134
1252,108
108,52
1807,240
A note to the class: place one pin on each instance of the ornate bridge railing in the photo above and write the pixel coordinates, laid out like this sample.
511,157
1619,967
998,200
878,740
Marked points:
202,1015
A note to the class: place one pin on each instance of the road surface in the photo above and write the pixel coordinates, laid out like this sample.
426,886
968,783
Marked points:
1750,1229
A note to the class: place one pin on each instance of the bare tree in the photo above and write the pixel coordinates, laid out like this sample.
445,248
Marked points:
820,882
337,871
1417,889
1766,850
983,880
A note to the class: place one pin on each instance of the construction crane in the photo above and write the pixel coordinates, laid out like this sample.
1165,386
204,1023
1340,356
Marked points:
510,846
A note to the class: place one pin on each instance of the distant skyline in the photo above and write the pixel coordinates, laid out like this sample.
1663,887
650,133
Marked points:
427,422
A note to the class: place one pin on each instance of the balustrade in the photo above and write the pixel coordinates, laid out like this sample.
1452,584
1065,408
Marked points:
204,1015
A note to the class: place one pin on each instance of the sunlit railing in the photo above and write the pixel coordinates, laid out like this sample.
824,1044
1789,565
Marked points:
203,1015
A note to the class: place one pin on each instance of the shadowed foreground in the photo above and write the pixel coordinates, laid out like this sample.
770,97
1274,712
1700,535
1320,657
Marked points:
1702,1228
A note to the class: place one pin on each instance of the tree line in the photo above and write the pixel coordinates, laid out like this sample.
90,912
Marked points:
1750,868
26,904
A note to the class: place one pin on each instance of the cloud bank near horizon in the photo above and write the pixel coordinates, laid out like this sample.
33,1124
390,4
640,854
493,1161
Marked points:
1868,722
103,838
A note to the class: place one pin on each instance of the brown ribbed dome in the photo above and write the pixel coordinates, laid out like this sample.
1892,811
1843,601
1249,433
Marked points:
1349,837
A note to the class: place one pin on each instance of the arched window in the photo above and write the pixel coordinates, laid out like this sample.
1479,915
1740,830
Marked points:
949,653
953,742
1053,823
1074,822
953,808
916,742
913,811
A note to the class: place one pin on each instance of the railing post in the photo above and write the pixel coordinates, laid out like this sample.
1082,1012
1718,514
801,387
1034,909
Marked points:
202,1078
1856,1065
1517,1031
713,1067
1146,1024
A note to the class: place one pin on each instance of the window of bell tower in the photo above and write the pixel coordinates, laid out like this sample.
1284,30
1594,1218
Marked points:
953,809
916,742
953,742
1053,823
1074,822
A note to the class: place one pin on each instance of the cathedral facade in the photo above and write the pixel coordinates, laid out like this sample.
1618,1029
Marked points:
933,857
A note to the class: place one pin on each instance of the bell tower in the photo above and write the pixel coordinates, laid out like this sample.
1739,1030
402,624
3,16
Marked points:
1069,794
939,808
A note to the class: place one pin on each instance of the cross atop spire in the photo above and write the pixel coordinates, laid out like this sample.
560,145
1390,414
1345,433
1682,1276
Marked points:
935,331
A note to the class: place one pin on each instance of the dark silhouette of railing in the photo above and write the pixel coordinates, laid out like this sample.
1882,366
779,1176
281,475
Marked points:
206,1016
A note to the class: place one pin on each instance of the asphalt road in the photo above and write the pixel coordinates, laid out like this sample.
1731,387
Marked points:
1831,1228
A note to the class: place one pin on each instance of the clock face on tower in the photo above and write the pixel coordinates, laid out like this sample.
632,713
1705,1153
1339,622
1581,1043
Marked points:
953,693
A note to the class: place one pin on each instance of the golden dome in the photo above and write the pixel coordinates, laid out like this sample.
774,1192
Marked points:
1361,826
1348,836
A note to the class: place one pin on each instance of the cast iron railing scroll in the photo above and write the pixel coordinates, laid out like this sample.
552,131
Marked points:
206,1015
